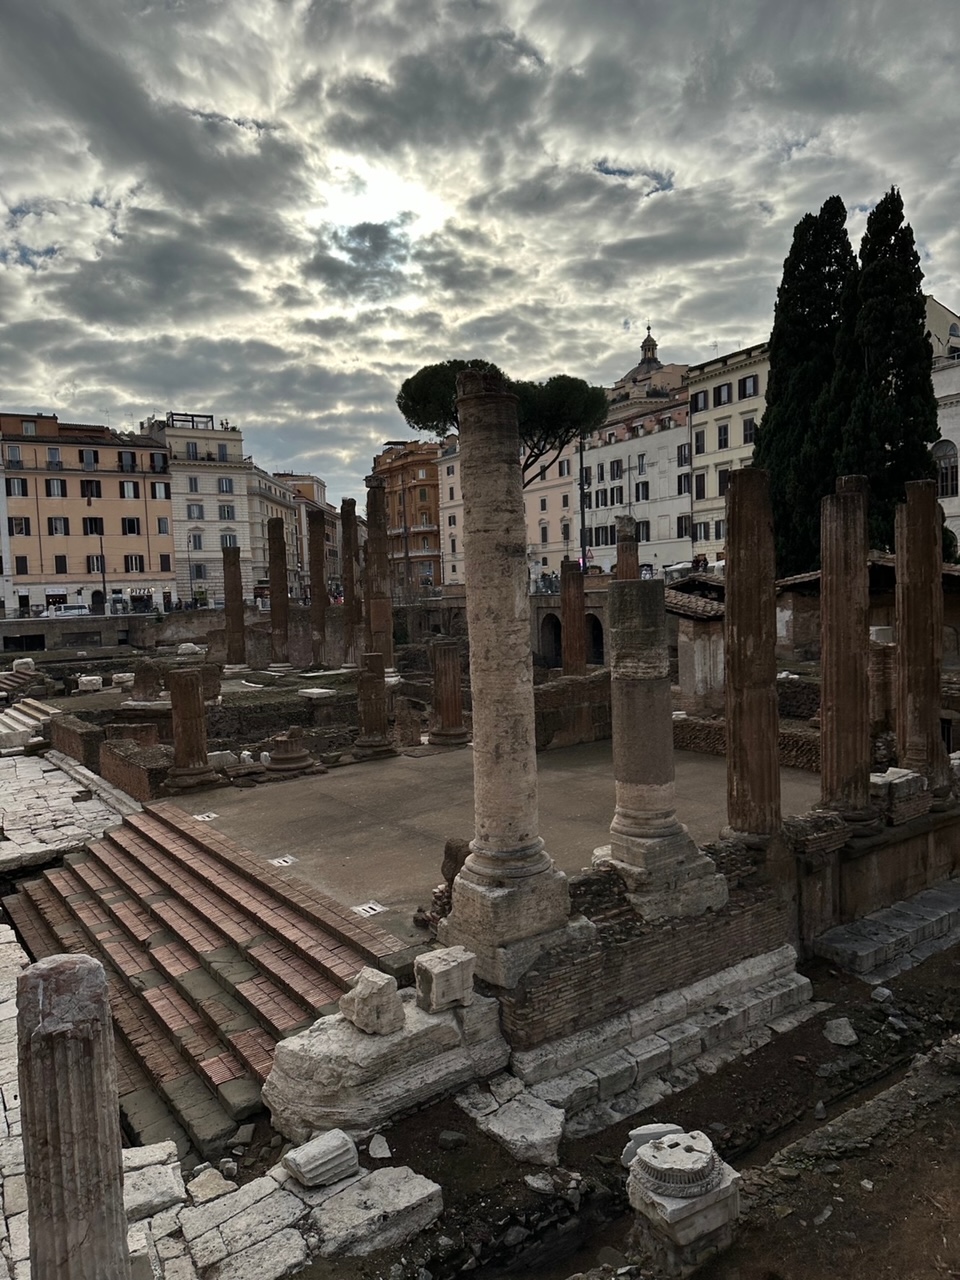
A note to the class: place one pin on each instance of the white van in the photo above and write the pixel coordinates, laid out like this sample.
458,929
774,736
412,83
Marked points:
67,611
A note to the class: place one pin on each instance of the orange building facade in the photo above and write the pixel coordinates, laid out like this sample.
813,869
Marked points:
409,469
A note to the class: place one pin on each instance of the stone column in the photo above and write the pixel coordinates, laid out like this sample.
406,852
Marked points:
374,739
628,560
317,560
447,695
509,901
233,608
376,583
573,620
750,639
348,527
844,653
649,846
190,767
920,637
71,1122
279,598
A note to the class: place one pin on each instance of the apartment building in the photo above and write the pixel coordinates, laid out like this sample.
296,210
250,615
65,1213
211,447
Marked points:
208,488
412,490
267,498
86,518
726,405
310,494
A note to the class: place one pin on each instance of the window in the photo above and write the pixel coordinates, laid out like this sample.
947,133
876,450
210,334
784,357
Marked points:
130,525
133,564
424,544
58,526
192,453
600,473
17,487
423,495
13,457
89,458
588,537
126,460
229,540
683,483
28,428
683,526
616,495
544,533
18,526
698,402
945,455
90,489
227,511
700,485
450,491
93,525
641,492
601,535
543,504
700,441
422,473
723,481
164,561
451,470
563,467
719,530
453,546
20,564
221,453
643,531
95,564
195,541
749,430
616,469
54,462
193,484
601,497
225,484
683,455
641,464
159,489
194,511
565,532
453,568
723,435
198,572
722,394
56,488
587,476
565,500
748,386
587,501
129,488
59,564
163,524
701,531
158,462
543,473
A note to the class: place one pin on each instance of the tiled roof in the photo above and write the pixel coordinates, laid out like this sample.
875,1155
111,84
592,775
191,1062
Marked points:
687,606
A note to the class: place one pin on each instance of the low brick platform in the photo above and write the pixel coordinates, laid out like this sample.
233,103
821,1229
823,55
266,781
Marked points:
210,958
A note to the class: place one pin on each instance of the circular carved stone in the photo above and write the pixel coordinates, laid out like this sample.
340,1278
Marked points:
683,1165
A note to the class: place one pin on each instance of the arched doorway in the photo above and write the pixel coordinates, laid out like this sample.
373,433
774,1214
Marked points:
550,634
594,641
96,601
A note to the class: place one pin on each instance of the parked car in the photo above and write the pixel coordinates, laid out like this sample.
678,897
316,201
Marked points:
67,611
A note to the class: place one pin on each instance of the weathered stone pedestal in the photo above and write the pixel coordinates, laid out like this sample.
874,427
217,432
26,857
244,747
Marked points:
190,766
289,754
71,1126
447,695
509,901
665,872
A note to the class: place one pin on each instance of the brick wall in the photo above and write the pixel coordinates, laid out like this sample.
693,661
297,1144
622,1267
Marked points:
78,739
799,744
572,709
573,988
138,771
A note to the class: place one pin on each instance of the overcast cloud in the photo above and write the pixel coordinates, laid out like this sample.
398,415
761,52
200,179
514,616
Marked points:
276,210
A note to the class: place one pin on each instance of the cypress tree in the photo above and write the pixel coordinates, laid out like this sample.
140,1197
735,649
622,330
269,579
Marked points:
817,276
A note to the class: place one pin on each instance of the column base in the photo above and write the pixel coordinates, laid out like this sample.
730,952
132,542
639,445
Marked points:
863,822
507,928
448,738
752,839
234,669
688,889
280,667
192,778
374,748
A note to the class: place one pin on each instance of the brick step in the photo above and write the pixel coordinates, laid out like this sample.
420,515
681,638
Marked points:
145,1117
194,918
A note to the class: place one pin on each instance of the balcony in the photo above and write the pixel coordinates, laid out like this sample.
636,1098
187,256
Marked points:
54,464
14,464
129,467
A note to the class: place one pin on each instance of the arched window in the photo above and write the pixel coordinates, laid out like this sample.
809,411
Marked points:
945,453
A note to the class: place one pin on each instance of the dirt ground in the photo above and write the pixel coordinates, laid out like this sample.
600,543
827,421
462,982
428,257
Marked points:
887,1204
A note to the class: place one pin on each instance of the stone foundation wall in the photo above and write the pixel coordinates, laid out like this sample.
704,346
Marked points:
78,739
576,987
799,744
572,709
138,771
798,699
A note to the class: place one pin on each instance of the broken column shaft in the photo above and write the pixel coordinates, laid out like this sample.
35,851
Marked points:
447,695
348,527
573,620
317,560
628,560
279,597
190,765
377,576
750,639
71,1122
236,638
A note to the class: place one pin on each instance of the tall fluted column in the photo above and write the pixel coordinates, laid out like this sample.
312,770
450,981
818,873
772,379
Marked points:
750,640
920,636
649,846
844,651
348,527
279,597
447,695
236,635
376,584
573,620
509,895
317,560
374,739
628,560
71,1122
190,766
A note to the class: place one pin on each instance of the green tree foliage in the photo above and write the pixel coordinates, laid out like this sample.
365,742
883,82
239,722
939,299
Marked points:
551,414
816,276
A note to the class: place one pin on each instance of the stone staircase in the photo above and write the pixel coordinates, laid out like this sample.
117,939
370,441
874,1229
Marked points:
25,720
11,682
211,959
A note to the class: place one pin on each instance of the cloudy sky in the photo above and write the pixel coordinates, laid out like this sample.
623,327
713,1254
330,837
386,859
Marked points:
276,210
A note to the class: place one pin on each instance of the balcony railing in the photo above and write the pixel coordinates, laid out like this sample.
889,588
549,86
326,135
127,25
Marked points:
54,464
